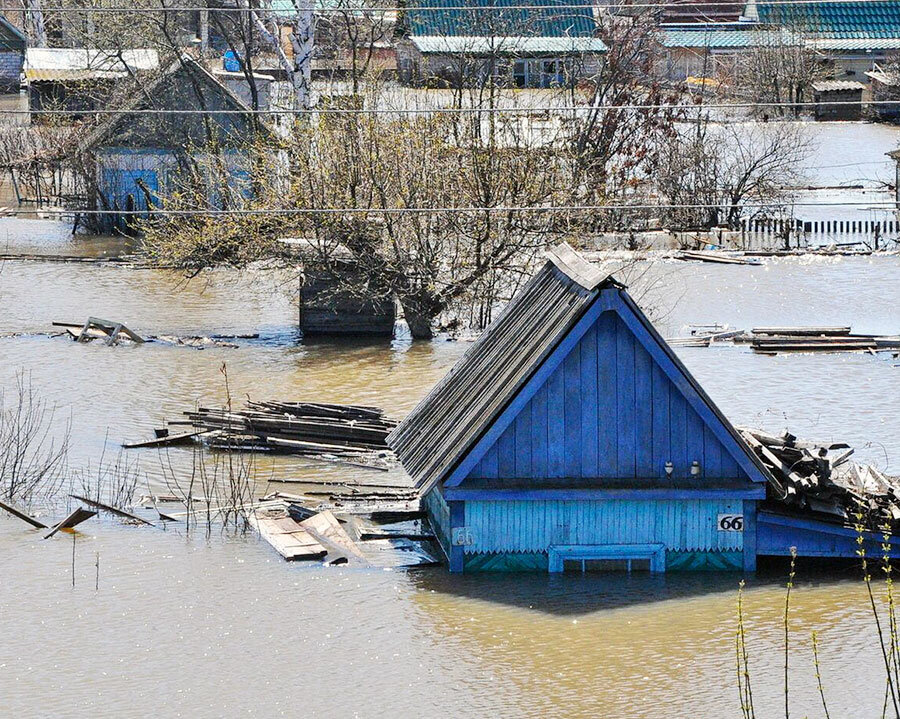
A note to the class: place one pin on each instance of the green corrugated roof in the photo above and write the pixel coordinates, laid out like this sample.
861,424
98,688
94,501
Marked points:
861,19
432,17
723,37
506,45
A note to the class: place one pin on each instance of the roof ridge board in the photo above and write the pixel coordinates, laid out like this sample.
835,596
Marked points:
574,266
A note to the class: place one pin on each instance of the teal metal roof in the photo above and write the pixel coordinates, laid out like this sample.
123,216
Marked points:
506,45
436,18
841,20
713,37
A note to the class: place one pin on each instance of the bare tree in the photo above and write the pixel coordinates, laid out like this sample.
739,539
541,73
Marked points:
33,452
724,168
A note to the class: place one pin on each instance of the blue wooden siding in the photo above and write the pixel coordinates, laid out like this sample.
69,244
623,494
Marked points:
607,411
532,526
439,514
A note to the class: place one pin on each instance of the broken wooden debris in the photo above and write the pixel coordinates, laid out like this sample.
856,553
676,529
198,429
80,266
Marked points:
398,552
112,510
21,515
167,440
75,518
338,537
112,332
820,478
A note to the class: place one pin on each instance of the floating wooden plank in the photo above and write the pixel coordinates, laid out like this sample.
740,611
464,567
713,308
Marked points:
74,519
287,537
111,509
167,441
21,515
814,331
325,529
716,257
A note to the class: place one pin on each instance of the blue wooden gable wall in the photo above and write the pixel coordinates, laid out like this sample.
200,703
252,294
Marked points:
608,410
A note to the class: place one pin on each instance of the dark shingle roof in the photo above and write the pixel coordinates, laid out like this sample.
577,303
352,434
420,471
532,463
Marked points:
840,20
433,17
442,427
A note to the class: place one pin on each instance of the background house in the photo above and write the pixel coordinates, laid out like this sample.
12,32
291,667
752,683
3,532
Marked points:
854,34
134,158
12,56
538,47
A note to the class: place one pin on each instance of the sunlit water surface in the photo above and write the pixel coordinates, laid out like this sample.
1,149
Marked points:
209,627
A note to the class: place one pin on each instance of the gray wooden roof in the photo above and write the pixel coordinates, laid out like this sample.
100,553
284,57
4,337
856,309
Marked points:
442,427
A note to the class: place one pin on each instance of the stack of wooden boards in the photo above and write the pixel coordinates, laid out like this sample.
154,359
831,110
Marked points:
775,340
349,433
772,340
821,479
374,539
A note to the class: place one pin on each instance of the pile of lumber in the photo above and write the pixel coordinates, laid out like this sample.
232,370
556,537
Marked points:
349,434
772,340
775,340
820,478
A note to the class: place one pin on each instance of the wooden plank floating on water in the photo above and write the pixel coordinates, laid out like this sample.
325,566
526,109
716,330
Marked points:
21,515
715,256
795,331
111,509
398,552
167,440
327,531
73,520
287,537
774,340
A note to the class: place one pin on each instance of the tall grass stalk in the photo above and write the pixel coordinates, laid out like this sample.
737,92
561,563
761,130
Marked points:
815,648
787,608
743,669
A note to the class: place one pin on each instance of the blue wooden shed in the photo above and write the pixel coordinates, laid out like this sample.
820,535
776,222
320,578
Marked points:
570,436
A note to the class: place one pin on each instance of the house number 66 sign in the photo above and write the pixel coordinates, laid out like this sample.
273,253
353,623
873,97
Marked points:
730,523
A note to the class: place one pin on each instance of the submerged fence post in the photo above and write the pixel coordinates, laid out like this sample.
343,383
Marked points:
73,559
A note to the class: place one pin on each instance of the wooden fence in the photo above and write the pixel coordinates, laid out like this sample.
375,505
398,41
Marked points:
795,232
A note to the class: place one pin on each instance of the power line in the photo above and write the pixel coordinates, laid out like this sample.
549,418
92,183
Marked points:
883,205
436,8
452,110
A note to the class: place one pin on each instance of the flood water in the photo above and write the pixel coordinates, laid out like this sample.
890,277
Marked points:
220,626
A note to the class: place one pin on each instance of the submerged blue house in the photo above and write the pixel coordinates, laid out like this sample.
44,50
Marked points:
141,154
570,436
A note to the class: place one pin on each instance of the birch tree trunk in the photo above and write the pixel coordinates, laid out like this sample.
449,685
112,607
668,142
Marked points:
36,23
303,33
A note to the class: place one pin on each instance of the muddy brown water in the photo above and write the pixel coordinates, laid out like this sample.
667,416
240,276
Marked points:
219,626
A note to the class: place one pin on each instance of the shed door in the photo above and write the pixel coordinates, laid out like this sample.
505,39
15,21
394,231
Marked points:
122,187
